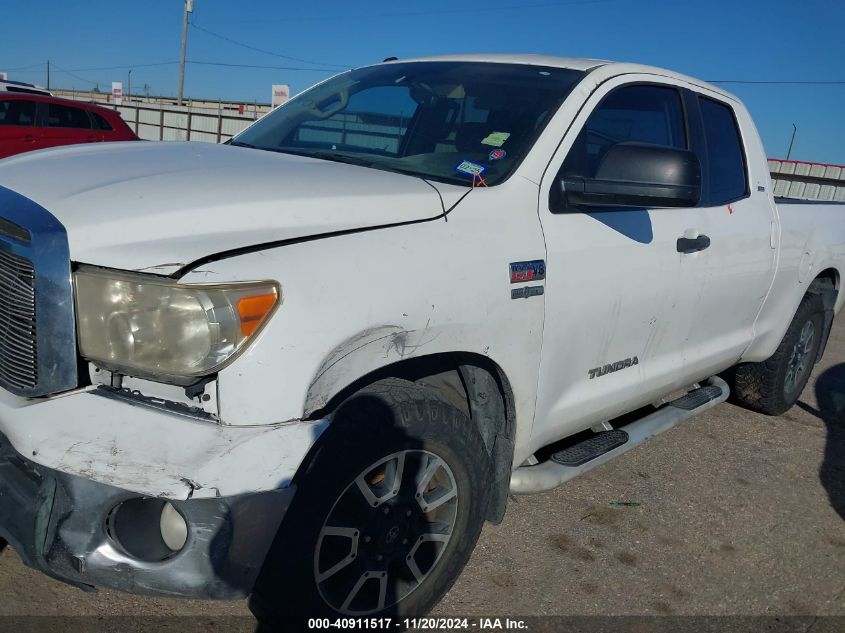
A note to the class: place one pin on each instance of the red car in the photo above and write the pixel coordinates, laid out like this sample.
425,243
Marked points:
29,121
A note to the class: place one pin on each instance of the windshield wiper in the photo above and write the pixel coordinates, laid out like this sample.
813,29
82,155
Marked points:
332,156
353,160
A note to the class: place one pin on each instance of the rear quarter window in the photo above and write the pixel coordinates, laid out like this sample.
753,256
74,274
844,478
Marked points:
726,179
100,122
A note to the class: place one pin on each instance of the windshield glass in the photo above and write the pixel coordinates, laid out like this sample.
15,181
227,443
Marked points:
447,121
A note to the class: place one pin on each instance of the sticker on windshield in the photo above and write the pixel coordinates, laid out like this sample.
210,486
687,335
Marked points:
497,154
496,139
468,168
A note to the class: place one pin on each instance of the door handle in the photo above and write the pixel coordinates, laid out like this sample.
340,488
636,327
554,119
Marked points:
28,138
693,244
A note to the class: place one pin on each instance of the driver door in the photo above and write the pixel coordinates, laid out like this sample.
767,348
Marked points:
618,302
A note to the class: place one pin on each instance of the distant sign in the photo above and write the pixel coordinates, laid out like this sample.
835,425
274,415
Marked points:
117,92
3,76
281,93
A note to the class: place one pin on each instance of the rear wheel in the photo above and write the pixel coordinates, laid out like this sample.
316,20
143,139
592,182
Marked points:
774,386
387,511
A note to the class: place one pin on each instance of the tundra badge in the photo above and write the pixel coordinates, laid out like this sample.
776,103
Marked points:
609,369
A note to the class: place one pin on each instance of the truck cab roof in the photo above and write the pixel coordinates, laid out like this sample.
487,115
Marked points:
585,64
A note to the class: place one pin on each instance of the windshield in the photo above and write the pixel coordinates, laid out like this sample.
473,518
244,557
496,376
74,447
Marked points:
447,121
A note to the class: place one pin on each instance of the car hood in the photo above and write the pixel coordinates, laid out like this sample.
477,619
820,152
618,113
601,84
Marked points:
160,206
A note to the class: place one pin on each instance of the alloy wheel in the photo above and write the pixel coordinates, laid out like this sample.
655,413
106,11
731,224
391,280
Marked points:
386,532
799,360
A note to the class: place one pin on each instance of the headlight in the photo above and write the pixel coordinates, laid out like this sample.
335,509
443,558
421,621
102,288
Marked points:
146,325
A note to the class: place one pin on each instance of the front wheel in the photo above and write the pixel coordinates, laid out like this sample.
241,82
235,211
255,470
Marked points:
387,511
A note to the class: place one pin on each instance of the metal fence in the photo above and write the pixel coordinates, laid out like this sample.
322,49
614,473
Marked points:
161,119
154,123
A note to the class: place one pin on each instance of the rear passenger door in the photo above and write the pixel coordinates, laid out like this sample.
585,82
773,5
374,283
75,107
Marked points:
17,126
734,274
66,125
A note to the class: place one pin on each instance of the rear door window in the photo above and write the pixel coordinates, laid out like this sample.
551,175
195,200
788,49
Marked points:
67,117
17,112
726,178
639,113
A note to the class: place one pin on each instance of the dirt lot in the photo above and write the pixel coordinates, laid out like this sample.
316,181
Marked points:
739,514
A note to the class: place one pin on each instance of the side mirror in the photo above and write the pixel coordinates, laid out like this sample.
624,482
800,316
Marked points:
638,175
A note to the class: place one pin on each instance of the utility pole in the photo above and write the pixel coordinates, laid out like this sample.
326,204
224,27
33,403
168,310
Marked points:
129,85
791,141
48,74
189,7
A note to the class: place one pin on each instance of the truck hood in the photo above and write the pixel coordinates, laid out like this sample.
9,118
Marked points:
159,206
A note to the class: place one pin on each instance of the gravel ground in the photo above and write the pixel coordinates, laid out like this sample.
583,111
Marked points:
739,514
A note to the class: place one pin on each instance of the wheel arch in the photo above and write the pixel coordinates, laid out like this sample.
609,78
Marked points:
827,285
830,275
471,382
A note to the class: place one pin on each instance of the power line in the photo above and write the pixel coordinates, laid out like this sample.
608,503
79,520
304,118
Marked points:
433,12
72,71
261,50
821,82
318,70
68,72
124,66
38,65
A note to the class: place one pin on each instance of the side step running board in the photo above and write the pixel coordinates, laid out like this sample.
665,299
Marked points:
602,447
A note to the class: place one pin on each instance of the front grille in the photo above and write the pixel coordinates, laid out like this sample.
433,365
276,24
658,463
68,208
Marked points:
18,353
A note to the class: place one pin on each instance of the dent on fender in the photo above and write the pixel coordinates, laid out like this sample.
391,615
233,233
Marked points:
361,354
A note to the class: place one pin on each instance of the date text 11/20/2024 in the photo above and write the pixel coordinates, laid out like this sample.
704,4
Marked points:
419,624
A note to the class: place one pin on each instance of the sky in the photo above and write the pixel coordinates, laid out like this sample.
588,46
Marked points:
237,50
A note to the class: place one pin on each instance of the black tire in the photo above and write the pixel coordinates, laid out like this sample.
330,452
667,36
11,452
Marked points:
3,545
388,418
765,387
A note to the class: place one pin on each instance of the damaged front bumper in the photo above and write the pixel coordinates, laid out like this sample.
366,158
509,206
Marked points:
59,524
71,465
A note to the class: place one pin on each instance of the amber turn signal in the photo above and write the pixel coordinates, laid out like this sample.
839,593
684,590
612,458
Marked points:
252,311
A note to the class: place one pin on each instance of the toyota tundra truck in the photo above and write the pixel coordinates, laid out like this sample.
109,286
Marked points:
305,366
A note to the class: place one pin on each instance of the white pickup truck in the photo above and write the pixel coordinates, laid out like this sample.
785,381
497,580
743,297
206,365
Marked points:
307,365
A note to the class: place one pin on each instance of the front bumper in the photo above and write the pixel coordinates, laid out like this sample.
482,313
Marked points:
58,525
67,462
125,442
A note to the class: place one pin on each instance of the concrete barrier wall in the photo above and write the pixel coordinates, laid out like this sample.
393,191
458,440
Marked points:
808,181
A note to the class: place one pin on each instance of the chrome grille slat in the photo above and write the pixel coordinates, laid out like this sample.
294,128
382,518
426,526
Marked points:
38,355
19,348
18,336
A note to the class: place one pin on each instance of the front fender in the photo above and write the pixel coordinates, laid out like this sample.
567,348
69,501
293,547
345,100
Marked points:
358,302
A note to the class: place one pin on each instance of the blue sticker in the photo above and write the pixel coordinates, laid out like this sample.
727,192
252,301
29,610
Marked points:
497,154
468,168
